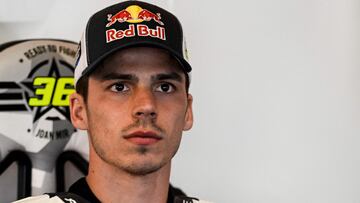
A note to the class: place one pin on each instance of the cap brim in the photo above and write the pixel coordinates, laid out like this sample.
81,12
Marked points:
184,64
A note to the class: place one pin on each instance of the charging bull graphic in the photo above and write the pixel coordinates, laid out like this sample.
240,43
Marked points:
121,16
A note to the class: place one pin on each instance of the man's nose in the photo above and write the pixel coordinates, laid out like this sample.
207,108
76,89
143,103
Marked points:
144,105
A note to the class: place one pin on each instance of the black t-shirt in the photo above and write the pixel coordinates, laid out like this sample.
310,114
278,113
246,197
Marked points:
82,189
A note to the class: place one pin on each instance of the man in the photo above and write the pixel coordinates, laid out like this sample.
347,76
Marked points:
132,97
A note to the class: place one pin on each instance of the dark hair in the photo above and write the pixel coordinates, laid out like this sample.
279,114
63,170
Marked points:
82,86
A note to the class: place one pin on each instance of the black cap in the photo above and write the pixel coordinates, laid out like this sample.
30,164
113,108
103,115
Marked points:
127,24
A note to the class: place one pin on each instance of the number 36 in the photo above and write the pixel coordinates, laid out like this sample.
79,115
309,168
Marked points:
54,91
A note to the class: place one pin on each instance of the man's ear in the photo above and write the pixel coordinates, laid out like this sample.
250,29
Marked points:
189,119
78,113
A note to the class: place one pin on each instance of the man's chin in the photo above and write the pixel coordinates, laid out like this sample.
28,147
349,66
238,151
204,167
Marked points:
140,162
142,168
142,150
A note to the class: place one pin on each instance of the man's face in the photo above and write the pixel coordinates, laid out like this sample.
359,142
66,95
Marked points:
136,110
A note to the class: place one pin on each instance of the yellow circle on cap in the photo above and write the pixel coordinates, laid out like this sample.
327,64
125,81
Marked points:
134,10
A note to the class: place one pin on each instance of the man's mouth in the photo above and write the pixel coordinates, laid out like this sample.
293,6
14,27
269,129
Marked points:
143,137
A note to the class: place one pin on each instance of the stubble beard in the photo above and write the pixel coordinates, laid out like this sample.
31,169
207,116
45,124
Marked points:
134,168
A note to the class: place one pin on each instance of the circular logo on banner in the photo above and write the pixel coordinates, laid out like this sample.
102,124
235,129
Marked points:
36,79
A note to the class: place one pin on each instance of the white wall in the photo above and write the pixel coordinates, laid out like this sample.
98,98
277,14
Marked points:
276,87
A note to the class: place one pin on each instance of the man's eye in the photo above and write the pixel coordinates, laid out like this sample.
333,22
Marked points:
165,87
119,87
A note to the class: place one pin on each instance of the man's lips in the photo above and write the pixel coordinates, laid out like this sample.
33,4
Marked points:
143,137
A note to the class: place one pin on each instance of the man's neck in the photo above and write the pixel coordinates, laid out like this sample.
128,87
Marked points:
111,185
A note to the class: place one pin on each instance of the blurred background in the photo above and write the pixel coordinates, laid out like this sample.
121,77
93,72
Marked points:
276,88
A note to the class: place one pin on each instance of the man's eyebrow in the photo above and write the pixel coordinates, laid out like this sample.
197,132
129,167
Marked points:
118,76
167,76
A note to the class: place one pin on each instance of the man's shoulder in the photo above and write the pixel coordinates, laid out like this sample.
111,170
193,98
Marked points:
189,200
64,197
81,190
178,196
40,199
72,198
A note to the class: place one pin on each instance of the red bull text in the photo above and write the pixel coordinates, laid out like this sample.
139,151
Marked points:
141,30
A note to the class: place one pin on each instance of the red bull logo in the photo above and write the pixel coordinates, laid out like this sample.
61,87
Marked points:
133,14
